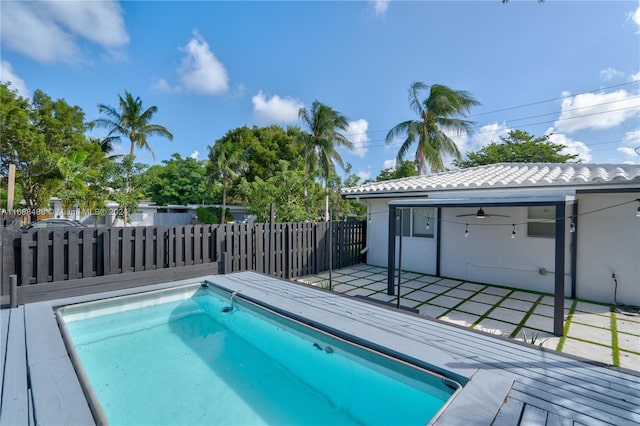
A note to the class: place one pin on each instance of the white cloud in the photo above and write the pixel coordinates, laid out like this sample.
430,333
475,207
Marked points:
7,75
629,153
163,86
597,110
608,74
380,7
357,133
276,109
389,164
635,16
98,21
200,71
632,138
364,176
484,136
631,147
572,146
195,154
636,76
49,31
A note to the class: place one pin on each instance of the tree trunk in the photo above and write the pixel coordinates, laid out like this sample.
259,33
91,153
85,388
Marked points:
326,207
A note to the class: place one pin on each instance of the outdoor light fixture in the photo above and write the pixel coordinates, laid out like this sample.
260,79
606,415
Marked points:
480,214
513,233
428,224
638,212
466,230
572,227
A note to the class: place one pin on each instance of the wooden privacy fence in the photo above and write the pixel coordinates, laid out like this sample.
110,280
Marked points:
286,250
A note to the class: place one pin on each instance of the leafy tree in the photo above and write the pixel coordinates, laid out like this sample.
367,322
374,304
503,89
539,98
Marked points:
342,208
36,135
74,189
264,147
126,179
318,146
179,181
130,121
226,162
436,114
518,147
286,189
405,168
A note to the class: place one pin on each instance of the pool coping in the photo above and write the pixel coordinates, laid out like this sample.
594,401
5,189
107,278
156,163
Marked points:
479,402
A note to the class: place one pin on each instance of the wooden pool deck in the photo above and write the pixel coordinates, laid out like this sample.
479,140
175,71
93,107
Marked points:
505,382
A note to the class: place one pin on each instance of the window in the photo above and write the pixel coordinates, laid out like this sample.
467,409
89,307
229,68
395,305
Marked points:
423,222
542,221
415,221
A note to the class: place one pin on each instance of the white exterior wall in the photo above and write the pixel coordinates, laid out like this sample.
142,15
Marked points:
377,231
608,243
418,254
489,254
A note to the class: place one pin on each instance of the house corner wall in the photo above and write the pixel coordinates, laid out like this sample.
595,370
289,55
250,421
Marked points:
608,243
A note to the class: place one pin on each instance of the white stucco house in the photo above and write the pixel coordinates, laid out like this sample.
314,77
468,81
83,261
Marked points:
568,229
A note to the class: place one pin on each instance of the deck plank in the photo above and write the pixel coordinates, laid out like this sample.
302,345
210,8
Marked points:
56,398
14,409
533,416
4,329
556,420
57,394
509,414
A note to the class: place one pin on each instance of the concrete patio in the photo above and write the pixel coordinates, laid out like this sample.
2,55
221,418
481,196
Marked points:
592,330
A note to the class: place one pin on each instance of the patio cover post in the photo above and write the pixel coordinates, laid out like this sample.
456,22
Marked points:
558,304
391,252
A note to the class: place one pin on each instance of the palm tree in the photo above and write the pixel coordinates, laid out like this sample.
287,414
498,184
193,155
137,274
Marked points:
133,122
319,144
226,161
436,113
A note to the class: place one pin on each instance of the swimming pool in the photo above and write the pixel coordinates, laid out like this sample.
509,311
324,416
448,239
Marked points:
190,356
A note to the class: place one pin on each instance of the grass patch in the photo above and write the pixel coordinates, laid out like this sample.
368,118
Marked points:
566,326
526,317
614,339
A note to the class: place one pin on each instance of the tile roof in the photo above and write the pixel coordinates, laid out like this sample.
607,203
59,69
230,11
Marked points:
508,175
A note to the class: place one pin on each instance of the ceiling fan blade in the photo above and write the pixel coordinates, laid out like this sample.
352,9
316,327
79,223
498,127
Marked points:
465,215
496,215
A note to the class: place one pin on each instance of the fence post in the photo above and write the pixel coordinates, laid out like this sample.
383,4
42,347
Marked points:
13,296
287,251
272,219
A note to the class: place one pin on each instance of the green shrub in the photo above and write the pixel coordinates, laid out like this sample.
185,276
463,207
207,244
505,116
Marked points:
211,215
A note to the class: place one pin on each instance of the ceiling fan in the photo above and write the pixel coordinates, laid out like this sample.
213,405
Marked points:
480,214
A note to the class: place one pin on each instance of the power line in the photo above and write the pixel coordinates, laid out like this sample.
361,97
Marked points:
554,99
383,144
536,103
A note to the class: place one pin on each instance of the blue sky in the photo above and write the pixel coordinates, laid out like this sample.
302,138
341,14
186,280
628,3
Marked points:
571,68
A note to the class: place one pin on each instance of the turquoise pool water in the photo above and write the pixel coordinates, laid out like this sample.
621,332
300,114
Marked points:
182,360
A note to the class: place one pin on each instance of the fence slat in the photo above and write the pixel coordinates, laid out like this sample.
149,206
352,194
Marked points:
87,264
73,254
188,244
126,241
